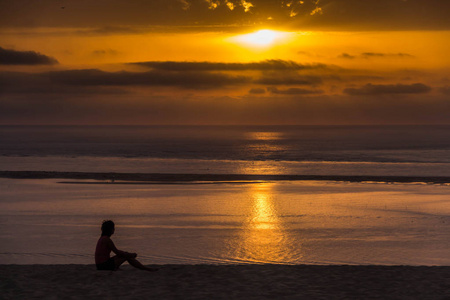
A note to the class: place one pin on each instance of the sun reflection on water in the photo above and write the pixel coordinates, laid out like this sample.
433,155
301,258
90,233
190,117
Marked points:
264,135
263,215
266,148
264,239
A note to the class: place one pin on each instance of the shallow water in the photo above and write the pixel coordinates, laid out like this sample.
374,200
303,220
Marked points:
45,222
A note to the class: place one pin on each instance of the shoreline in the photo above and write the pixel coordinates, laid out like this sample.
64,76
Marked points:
161,178
226,282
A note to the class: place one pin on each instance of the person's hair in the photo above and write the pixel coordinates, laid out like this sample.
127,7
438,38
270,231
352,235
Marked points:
107,227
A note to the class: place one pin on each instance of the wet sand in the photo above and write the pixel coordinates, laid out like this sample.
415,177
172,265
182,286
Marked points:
225,282
159,178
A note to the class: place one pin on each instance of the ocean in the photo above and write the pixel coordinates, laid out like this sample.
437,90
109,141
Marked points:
302,150
53,221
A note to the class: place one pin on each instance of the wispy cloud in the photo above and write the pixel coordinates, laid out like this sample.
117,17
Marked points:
292,91
377,54
369,55
374,89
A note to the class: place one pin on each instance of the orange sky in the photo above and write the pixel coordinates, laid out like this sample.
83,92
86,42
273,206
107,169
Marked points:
208,62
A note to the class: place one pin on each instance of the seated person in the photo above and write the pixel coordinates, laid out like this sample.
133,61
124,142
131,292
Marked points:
103,250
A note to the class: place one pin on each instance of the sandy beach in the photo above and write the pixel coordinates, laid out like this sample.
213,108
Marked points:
225,282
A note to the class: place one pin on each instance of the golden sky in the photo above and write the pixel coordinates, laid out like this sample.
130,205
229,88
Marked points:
224,62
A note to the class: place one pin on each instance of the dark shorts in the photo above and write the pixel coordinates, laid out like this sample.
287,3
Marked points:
107,265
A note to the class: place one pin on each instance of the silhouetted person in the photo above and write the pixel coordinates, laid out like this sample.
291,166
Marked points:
103,250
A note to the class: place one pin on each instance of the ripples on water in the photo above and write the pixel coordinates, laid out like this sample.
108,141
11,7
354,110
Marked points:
284,222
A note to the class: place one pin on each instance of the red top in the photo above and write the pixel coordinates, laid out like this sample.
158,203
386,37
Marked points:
102,251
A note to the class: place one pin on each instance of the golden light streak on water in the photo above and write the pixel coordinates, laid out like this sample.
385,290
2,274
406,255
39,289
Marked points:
264,135
264,238
264,215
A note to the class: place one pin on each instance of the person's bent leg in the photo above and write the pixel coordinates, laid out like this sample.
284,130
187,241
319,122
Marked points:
135,263
118,260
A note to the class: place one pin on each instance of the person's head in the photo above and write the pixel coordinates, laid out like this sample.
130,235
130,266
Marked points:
107,227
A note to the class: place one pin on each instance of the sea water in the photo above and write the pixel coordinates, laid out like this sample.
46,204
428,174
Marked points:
46,221
301,150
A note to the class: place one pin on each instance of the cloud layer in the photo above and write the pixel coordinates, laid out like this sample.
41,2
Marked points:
273,64
273,91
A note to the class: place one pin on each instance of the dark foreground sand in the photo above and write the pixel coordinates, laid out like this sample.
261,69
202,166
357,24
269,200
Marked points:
225,282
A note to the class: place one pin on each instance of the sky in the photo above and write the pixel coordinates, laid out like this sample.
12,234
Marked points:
219,62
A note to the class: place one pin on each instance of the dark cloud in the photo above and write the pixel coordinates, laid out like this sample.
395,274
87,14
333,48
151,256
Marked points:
274,64
257,91
40,84
193,80
273,72
13,57
292,91
192,76
373,89
15,82
346,55
375,54
368,55
307,14
184,75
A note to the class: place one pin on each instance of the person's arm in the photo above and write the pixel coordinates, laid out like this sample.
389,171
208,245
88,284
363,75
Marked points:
120,252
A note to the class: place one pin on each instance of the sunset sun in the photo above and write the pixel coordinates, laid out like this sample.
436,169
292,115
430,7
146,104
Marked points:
264,37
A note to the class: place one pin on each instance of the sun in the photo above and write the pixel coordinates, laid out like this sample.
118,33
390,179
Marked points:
260,38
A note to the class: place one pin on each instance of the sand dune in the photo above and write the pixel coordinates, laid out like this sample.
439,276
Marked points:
225,282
